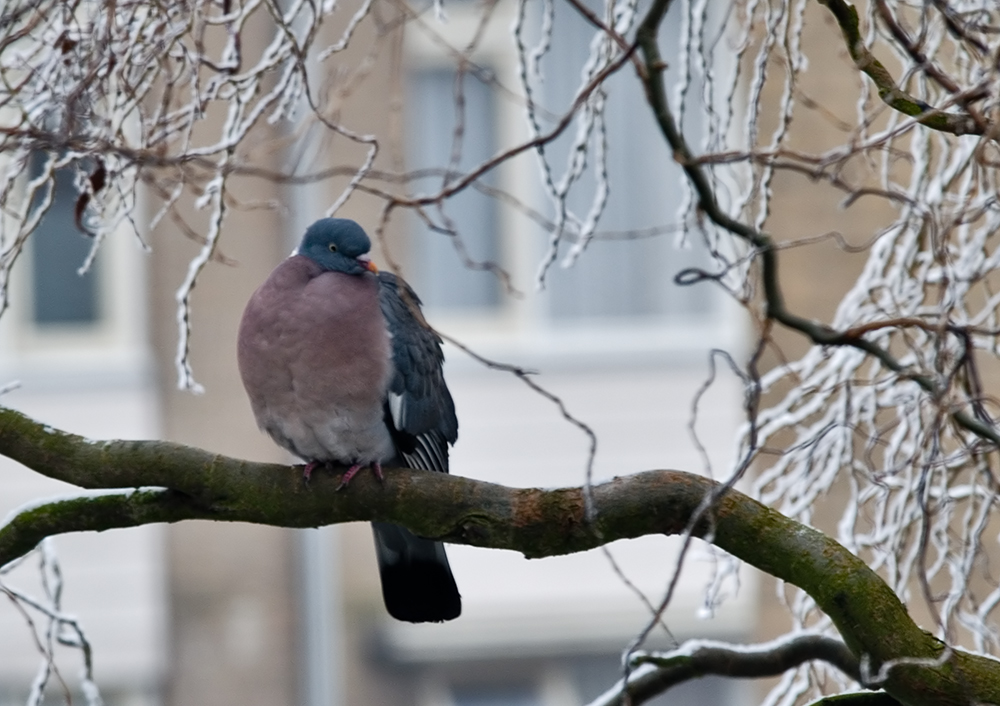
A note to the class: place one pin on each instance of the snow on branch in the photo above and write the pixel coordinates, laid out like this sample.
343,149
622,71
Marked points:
652,673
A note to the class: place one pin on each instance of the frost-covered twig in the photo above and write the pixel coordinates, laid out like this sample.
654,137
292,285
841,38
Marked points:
60,628
655,673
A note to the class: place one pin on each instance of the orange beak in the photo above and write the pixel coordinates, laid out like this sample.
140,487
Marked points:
369,265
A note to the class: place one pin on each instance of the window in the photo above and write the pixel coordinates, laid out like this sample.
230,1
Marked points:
64,325
444,281
59,294
628,277
620,280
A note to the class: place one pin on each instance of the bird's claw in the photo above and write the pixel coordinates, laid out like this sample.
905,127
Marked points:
353,471
308,469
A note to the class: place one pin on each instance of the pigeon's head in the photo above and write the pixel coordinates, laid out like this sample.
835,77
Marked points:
338,245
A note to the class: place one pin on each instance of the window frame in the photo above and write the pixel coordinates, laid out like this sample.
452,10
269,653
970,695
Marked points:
523,327
112,347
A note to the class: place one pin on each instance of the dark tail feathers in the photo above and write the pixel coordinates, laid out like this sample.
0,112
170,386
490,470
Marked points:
417,584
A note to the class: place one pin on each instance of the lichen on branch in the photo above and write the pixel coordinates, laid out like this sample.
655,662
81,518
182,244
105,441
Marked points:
890,93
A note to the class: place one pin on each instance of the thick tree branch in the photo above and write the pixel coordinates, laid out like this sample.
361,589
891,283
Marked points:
535,522
658,672
127,508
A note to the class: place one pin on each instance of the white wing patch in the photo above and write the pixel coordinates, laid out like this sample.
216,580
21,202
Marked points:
396,409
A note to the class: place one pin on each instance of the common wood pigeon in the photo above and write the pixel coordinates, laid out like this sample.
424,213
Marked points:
338,368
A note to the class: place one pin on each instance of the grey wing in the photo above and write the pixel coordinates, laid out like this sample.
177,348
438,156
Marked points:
419,409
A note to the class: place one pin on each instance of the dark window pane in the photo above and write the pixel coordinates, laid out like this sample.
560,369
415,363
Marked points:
439,272
58,249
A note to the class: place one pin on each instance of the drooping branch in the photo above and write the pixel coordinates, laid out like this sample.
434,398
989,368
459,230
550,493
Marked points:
657,672
775,307
535,522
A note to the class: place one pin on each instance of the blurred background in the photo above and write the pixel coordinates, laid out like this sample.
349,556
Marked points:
203,613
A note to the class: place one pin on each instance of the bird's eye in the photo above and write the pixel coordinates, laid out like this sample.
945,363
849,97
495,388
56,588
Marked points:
333,248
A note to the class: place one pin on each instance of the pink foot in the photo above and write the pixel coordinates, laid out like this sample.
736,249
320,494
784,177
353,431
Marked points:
353,471
309,468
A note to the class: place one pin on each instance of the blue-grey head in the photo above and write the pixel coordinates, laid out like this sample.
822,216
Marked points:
338,245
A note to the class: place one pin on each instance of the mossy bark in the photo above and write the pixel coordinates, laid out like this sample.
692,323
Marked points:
179,482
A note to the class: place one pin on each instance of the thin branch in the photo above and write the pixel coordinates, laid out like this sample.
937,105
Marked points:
699,658
964,98
820,334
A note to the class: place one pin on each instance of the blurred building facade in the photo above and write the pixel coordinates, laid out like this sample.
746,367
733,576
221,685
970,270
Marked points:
236,614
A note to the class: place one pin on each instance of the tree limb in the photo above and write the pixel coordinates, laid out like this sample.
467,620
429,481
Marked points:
894,97
699,658
535,522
